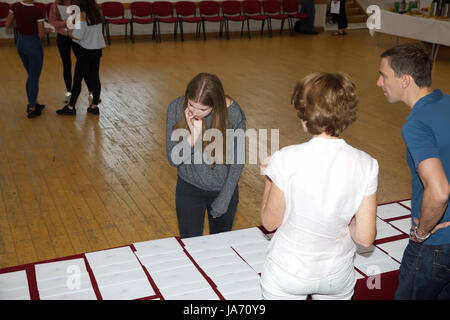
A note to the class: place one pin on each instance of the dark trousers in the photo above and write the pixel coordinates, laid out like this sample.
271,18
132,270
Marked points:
32,56
87,67
65,47
424,273
191,204
341,18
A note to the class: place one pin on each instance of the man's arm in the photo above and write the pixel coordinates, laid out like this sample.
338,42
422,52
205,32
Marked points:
435,195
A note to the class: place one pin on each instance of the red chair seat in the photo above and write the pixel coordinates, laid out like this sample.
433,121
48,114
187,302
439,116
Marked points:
168,20
2,23
192,19
213,19
118,21
143,20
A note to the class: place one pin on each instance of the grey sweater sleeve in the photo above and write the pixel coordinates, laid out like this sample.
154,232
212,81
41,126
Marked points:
220,204
176,151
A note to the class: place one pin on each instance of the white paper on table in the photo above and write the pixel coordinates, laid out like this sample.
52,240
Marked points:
204,294
128,291
177,277
239,286
257,266
244,236
13,280
385,230
15,294
219,270
159,246
395,248
207,242
234,277
120,277
378,267
406,203
251,247
334,7
370,257
60,293
254,257
168,265
218,261
52,270
111,256
361,249
208,253
116,268
251,294
65,282
403,224
184,288
359,275
149,260
392,210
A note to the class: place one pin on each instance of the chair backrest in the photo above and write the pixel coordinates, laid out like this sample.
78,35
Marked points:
231,7
290,6
251,7
185,8
209,8
113,9
272,6
4,10
141,9
163,8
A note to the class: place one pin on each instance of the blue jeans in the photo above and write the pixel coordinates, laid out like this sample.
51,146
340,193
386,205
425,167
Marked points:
32,56
424,273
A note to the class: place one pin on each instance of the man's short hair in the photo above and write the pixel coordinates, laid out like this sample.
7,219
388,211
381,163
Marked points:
326,101
410,59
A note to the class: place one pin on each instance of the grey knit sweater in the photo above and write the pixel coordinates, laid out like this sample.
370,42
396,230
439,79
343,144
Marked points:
222,177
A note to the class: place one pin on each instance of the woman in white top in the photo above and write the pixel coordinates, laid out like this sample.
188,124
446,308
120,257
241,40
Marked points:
320,196
88,43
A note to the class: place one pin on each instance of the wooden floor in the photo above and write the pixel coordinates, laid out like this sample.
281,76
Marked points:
77,184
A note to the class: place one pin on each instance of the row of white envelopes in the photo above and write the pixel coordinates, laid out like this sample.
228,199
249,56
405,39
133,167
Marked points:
221,266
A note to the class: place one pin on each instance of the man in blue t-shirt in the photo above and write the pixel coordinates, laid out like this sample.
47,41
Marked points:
405,75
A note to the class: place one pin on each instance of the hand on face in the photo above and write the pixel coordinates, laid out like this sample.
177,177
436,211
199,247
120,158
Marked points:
195,125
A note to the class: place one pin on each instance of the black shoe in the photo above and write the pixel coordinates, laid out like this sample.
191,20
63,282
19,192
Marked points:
95,110
34,113
40,107
66,111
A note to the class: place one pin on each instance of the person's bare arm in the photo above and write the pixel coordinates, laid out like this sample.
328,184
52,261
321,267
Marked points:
9,23
435,197
363,226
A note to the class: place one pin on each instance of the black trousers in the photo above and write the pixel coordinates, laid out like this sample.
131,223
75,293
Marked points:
64,47
87,67
191,204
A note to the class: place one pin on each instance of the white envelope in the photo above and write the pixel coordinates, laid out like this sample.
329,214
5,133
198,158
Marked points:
111,256
169,265
254,257
392,210
379,267
406,203
208,253
218,270
22,293
149,260
204,294
218,261
116,268
234,277
52,270
240,286
207,242
251,247
76,295
370,257
385,230
403,224
159,246
395,248
84,291
120,277
184,288
244,236
177,277
128,291
251,294
65,282
13,280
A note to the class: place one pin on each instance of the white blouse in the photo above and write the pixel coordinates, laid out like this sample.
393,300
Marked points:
324,182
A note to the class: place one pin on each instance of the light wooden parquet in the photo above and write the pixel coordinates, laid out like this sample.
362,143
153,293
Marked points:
70,185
